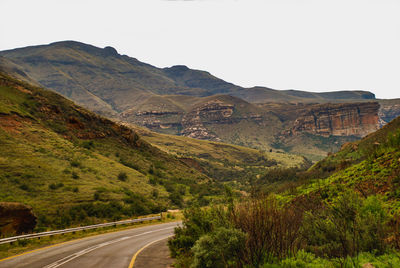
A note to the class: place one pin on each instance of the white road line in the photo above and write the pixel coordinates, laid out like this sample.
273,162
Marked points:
89,249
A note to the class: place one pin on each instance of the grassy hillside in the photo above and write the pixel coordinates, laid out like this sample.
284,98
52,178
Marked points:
223,162
73,166
368,167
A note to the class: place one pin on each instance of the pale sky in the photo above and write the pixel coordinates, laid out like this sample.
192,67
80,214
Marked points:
313,45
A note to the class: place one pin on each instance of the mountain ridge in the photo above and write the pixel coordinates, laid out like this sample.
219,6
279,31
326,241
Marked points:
164,99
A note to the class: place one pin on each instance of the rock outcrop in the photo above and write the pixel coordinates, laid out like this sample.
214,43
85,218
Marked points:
16,218
390,109
345,119
214,110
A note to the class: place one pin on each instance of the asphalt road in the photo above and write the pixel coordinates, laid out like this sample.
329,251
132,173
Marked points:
112,250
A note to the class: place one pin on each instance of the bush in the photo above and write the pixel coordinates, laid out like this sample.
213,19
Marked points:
122,176
346,227
176,198
75,175
25,187
55,186
273,232
266,231
88,144
196,223
75,163
274,235
220,248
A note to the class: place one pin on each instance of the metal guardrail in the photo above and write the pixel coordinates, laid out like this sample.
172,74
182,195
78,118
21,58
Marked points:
76,229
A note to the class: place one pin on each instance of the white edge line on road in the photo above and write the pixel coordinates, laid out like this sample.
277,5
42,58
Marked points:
87,250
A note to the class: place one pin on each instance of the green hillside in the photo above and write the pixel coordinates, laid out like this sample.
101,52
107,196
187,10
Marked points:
223,162
370,166
342,212
74,167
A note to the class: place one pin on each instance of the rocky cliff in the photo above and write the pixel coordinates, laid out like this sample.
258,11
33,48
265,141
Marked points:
390,109
345,119
214,110
16,218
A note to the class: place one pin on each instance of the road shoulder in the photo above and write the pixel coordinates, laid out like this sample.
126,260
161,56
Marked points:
156,256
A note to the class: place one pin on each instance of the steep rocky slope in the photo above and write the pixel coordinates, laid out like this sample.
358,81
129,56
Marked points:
348,119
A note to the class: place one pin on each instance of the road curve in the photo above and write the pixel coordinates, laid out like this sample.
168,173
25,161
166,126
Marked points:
107,250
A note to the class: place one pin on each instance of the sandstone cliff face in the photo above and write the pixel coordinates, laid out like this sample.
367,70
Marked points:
214,110
16,218
347,119
390,109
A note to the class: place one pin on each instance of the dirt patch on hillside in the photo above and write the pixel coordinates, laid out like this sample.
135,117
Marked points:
11,123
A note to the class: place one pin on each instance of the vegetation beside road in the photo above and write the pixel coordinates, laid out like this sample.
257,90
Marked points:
343,212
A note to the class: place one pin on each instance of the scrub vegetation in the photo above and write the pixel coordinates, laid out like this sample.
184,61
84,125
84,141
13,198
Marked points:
342,212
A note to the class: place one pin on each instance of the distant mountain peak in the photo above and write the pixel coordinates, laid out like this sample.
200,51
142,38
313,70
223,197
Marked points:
110,51
106,51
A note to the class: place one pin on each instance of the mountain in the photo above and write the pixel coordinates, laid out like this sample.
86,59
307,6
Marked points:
308,129
182,101
75,167
103,79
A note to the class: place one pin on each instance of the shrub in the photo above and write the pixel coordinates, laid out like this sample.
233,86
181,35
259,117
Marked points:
55,186
151,170
176,198
346,227
75,163
24,187
88,144
220,248
196,223
154,193
74,175
272,232
122,176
